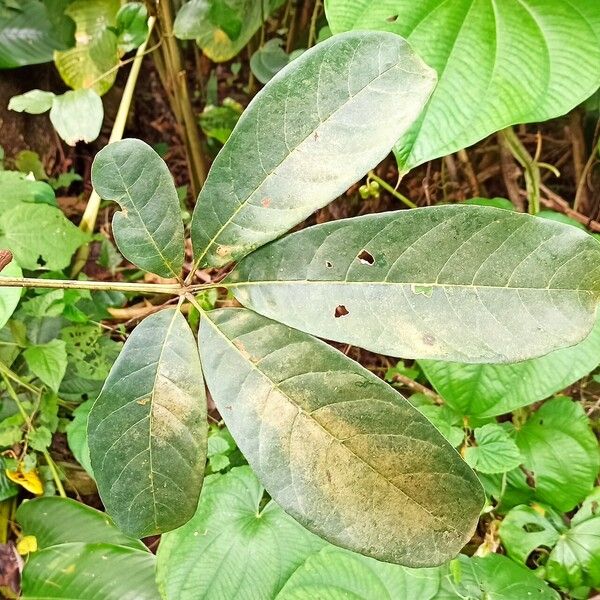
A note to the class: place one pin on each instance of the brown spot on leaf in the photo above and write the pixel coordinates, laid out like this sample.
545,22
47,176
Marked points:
392,19
223,250
328,264
5,258
366,258
340,311
143,402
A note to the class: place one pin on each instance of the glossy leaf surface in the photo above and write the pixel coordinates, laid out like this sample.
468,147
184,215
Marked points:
468,283
148,230
147,429
232,528
499,63
336,447
310,133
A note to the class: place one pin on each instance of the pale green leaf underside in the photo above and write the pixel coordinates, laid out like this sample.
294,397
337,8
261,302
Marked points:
77,116
148,230
314,130
491,390
463,283
76,571
499,62
233,546
335,447
147,430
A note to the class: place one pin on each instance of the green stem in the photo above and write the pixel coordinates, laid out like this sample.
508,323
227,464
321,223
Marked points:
386,186
55,475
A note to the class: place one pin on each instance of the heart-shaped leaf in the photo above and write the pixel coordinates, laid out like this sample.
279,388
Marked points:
336,447
499,63
147,430
149,229
468,283
311,132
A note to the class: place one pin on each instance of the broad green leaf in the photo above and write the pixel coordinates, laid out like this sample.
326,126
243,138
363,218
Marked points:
147,430
492,577
311,132
77,435
560,451
222,27
29,35
232,528
336,574
575,561
77,116
34,102
468,283
9,296
48,362
132,25
53,521
524,529
489,390
87,65
149,229
495,451
270,59
17,187
499,63
89,571
49,245
446,421
337,448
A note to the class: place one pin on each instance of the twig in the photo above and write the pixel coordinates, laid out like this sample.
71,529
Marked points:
386,186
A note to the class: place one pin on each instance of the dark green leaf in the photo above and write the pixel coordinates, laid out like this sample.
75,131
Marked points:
336,447
147,430
311,132
132,25
77,435
469,283
148,230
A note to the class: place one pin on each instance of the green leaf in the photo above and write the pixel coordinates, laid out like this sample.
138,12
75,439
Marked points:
8,489
560,451
77,435
87,65
445,420
495,451
524,529
77,116
29,35
147,430
269,59
132,25
490,390
337,574
498,63
9,296
17,187
337,448
232,527
49,245
53,521
148,230
77,571
311,132
48,362
222,28
34,102
468,283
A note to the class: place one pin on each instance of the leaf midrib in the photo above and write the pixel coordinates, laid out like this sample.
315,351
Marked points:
275,386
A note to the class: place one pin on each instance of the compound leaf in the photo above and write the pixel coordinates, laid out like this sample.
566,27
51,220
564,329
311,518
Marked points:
147,430
149,229
334,446
468,283
499,63
310,133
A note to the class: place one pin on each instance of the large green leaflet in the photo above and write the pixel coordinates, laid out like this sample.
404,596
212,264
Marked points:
334,446
310,133
148,230
490,390
147,430
499,63
463,283
233,545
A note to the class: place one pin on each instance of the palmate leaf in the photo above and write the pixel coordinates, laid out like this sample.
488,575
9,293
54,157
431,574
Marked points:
149,229
499,63
315,129
334,446
147,430
463,283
